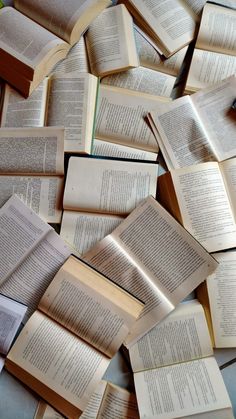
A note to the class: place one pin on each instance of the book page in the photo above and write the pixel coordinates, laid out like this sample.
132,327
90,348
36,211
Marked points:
216,31
183,390
83,230
59,359
101,313
196,5
20,112
221,287
169,23
137,257
150,58
228,172
121,118
11,315
106,149
32,151
33,43
183,139
110,42
42,194
214,109
118,403
71,103
2,362
208,68
118,188
182,336
204,206
30,280
76,60
21,230
45,411
143,80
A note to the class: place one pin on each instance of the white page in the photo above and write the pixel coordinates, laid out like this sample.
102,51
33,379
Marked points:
2,361
106,149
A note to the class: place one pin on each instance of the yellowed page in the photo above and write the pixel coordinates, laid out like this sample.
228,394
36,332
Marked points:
118,403
204,205
213,106
20,112
172,26
107,149
71,103
150,58
143,80
59,359
228,171
221,287
81,230
121,117
76,60
106,186
208,68
110,42
30,280
101,313
137,257
183,390
42,194
182,336
32,151
216,31
183,138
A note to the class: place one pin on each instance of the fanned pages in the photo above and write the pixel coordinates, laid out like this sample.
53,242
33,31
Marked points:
84,319
137,256
110,42
106,149
76,60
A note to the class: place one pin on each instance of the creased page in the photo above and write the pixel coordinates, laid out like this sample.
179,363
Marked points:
221,287
32,151
183,138
118,403
213,106
204,205
121,117
76,60
216,31
20,112
81,230
21,230
183,390
106,186
90,306
106,149
42,194
30,280
137,257
182,336
110,42
143,80
58,359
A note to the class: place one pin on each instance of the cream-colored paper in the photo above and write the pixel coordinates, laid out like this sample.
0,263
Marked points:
107,149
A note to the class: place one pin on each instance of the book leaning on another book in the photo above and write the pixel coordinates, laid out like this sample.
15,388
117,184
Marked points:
190,129
32,167
67,100
34,36
152,256
66,346
175,374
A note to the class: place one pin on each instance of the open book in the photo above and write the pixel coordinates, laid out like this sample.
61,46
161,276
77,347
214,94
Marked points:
175,373
29,53
121,117
32,167
190,129
65,347
214,56
105,149
170,26
110,42
108,401
31,254
67,100
202,198
76,60
218,297
152,256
